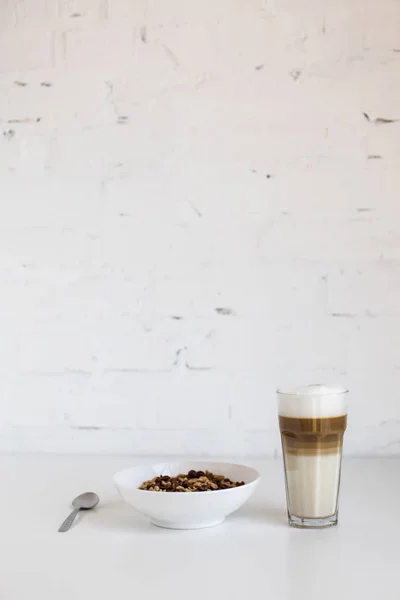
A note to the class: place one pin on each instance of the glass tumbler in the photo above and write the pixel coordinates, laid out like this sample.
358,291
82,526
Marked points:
312,422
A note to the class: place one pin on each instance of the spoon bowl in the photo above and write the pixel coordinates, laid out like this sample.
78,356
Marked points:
86,501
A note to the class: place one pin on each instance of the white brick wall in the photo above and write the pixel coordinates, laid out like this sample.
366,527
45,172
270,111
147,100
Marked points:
194,210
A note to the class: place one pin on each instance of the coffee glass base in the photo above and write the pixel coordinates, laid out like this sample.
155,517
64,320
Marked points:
318,523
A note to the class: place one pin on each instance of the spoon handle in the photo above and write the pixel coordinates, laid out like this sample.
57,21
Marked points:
69,520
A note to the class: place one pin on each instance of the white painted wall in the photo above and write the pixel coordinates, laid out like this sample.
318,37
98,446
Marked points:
194,210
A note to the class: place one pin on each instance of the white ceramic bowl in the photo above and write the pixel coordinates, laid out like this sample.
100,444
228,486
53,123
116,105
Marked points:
186,511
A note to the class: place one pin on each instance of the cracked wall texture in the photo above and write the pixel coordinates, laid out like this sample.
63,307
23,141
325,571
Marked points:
199,202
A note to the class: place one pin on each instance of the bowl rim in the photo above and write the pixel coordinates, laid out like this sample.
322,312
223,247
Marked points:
255,480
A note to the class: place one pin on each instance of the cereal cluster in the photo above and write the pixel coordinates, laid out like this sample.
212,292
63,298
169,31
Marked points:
194,481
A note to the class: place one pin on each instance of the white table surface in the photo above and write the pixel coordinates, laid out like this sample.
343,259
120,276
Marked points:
112,552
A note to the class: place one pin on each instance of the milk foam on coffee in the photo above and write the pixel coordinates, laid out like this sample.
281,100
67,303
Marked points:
312,422
313,401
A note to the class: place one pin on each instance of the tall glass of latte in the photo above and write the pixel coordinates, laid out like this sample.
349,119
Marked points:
312,421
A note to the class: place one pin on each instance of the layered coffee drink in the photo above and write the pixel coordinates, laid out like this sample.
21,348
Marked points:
312,422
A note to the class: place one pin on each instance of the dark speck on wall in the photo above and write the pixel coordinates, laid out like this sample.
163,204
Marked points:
382,121
25,120
224,311
378,120
178,354
295,74
97,428
195,210
9,134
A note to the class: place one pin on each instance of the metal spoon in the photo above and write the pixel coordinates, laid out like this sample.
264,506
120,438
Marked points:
83,502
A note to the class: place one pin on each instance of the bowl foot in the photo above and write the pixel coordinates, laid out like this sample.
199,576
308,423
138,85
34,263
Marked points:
178,525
